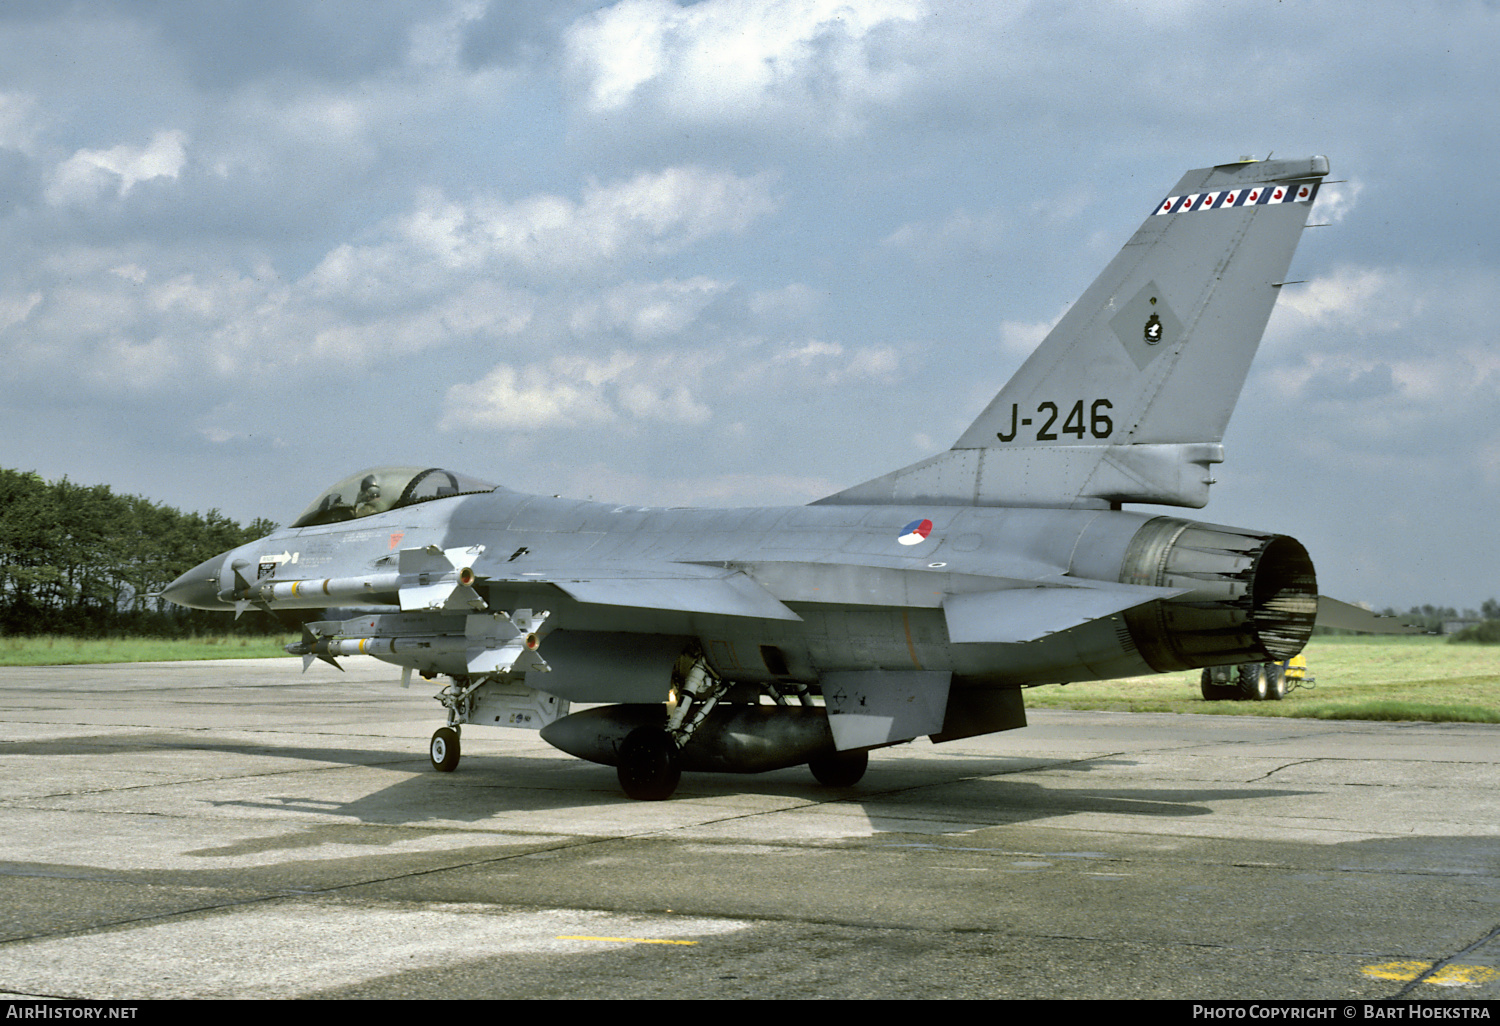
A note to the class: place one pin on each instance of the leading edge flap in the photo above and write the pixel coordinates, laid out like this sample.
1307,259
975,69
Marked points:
735,595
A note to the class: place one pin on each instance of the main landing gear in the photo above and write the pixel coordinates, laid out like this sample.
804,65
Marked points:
648,761
707,725
649,768
841,769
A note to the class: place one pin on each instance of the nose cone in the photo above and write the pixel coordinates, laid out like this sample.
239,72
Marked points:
199,587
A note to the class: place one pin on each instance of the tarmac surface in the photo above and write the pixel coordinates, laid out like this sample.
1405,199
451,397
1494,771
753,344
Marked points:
239,830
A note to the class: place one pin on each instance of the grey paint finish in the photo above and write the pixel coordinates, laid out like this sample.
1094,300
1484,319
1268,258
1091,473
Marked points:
995,565
1154,354
1026,614
870,709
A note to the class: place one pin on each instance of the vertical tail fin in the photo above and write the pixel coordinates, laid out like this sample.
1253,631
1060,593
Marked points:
1127,398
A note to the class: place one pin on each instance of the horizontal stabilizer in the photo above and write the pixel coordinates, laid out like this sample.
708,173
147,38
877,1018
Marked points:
1026,614
1343,616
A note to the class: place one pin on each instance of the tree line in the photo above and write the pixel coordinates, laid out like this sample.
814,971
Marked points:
82,560
1483,623
1433,617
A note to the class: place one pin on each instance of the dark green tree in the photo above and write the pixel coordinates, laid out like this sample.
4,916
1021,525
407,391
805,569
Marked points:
80,559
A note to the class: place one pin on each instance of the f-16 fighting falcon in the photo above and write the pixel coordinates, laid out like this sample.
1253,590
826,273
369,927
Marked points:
919,603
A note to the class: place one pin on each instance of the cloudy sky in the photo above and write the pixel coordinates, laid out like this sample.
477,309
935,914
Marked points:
730,252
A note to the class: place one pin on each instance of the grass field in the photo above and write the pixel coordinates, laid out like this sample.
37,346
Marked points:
1403,678
47,650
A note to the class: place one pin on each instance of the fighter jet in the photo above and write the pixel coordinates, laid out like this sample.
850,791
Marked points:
920,603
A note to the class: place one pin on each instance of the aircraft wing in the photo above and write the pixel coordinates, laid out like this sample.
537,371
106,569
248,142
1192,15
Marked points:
1010,610
681,587
734,595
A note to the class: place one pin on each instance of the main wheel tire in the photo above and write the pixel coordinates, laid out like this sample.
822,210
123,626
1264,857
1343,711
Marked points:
1275,682
1253,682
648,768
841,769
443,750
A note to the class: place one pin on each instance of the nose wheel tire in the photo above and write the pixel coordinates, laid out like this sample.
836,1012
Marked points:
443,750
648,768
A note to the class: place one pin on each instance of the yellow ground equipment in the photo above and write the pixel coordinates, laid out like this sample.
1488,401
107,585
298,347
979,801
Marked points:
1256,682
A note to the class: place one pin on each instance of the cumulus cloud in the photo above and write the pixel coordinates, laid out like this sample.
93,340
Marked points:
1387,354
657,212
482,312
576,391
790,302
722,60
651,213
436,275
1338,377
959,236
832,363
681,385
89,174
1359,299
1336,201
645,311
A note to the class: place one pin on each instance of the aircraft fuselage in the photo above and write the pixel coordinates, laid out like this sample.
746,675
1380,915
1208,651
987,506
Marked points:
860,591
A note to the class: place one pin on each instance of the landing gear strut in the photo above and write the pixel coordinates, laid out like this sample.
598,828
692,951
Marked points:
457,698
648,767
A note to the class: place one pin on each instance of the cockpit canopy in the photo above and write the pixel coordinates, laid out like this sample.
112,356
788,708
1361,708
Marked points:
385,488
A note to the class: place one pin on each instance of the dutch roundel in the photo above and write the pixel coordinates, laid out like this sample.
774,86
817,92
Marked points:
915,532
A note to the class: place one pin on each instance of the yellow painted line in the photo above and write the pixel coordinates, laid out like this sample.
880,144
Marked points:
1448,976
627,940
